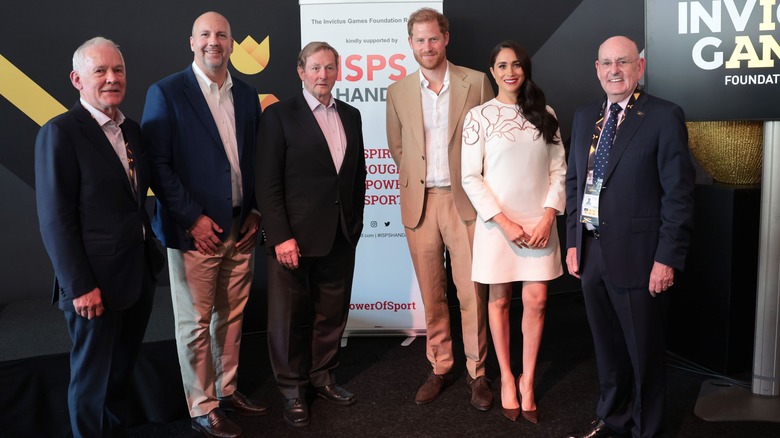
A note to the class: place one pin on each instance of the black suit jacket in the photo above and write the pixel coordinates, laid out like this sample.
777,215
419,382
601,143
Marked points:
91,222
646,201
300,194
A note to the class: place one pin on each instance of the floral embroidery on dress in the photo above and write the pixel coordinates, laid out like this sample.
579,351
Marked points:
501,122
470,129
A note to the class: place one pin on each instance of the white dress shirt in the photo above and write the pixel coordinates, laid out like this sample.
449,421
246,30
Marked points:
435,109
220,101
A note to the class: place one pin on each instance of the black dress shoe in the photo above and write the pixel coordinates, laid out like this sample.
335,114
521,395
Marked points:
240,404
216,424
597,430
296,412
336,395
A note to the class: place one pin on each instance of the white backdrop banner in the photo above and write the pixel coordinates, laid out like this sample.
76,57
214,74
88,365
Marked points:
372,41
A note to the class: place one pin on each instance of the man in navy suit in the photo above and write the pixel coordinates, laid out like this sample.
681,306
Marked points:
91,177
312,191
201,126
627,233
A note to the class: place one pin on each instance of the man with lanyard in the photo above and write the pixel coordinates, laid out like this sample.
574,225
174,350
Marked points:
629,205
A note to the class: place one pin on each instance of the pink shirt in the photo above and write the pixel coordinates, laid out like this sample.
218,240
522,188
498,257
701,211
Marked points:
330,124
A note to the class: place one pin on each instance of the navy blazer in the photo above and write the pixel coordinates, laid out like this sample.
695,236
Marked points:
190,169
91,222
300,193
646,200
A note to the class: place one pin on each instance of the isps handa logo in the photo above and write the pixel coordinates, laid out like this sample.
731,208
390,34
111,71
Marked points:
739,37
249,58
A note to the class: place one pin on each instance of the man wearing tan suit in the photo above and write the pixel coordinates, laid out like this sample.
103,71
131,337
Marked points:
425,113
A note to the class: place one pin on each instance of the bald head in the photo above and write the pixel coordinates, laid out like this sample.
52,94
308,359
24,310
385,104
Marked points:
619,67
210,16
620,41
212,43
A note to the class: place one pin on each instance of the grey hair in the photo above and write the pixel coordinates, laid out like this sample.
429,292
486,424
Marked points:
79,54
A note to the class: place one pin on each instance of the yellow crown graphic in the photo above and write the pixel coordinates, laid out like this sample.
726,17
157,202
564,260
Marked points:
249,57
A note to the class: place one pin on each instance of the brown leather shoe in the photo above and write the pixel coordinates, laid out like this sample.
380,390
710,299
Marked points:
481,396
432,388
240,404
296,412
216,424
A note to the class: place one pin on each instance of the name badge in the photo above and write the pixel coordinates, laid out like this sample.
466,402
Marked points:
590,201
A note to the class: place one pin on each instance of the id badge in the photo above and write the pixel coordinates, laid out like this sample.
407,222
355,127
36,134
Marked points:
590,203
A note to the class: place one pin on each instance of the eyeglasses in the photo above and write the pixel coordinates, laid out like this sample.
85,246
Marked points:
621,63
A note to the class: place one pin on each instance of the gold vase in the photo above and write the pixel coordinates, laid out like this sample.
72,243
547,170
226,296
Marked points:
730,151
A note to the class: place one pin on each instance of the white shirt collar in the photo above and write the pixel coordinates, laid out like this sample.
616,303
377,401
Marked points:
424,81
100,116
208,82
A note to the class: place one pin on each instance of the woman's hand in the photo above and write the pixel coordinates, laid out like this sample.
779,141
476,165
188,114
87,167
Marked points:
540,235
513,231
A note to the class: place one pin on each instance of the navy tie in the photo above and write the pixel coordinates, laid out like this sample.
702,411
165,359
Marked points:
605,142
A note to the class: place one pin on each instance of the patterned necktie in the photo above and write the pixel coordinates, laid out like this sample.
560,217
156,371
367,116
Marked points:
605,142
131,167
130,161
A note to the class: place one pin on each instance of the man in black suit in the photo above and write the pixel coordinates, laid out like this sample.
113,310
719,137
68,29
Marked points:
311,192
629,219
91,177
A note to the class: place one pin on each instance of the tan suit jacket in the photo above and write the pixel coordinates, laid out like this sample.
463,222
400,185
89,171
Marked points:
406,137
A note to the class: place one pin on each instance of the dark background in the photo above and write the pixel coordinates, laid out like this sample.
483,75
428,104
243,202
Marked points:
712,316
39,38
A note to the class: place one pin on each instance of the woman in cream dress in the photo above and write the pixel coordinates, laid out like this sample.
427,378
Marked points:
513,172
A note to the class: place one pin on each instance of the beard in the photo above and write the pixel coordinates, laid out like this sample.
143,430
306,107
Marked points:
428,62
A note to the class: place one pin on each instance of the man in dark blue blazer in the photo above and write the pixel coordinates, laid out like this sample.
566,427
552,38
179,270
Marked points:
311,189
91,178
627,233
201,127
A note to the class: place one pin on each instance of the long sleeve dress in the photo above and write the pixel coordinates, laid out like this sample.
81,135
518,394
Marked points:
508,167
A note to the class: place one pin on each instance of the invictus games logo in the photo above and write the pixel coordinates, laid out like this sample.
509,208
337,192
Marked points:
737,36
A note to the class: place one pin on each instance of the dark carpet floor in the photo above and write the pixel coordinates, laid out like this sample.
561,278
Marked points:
385,376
